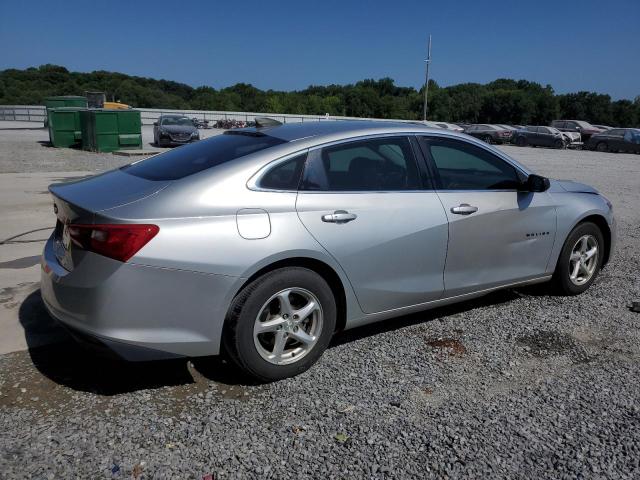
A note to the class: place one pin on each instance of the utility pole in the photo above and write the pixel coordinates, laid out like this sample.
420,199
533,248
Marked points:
426,85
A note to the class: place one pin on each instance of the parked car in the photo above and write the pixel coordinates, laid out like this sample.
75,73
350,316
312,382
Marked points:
626,140
512,128
489,133
539,136
584,128
450,126
263,242
172,130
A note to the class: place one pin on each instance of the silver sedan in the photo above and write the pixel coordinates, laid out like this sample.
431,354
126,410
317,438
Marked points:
260,243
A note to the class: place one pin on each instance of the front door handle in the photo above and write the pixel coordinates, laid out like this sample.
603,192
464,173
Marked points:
464,209
339,216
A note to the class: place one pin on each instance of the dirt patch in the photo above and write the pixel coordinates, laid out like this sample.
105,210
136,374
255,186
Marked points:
544,344
447,346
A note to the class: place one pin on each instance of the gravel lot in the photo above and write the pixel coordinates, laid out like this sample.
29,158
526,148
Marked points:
517,384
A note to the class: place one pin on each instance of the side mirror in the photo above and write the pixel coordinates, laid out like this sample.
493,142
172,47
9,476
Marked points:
537,183
155,124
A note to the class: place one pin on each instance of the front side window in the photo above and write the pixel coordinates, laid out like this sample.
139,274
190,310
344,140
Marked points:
462,166
284,176
199,156
380,164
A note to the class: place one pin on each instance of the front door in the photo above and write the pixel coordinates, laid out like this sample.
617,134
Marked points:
497,234
366,203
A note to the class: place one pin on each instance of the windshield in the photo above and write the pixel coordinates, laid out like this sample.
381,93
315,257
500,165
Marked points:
199,156
553,130
584,124
177,121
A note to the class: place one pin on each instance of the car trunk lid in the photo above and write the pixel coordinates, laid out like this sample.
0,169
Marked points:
78,203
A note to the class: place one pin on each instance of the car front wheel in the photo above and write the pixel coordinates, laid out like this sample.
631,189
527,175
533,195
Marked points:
280,324
580,260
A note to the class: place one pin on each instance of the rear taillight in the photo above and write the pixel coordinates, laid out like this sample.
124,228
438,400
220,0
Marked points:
119,241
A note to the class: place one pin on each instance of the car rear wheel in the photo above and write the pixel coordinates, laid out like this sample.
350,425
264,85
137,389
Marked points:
279,325
580,260
602,147
521,142
488,139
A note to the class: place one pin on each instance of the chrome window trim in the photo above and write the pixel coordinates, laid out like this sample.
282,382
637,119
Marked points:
254,181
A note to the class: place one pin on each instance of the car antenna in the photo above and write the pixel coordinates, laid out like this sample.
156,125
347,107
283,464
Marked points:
262,122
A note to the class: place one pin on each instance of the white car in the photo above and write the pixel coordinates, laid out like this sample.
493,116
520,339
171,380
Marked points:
450,126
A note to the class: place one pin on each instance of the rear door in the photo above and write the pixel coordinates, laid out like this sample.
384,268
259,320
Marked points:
371,206
497,234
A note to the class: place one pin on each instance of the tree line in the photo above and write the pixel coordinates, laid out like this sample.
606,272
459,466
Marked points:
501,101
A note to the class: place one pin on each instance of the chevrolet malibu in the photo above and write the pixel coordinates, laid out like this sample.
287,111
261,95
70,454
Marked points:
260,243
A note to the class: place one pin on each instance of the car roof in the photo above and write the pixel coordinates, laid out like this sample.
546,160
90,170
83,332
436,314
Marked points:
337,128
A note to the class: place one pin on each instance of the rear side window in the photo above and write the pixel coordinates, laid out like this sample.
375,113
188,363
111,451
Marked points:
199,156
284,176
462,166
381,164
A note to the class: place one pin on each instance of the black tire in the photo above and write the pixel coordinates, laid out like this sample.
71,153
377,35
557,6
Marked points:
558,143
521,142
602,147
238,339
562,284
487,139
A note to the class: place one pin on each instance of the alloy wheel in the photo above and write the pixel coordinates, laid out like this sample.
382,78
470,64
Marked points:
288,326
583,260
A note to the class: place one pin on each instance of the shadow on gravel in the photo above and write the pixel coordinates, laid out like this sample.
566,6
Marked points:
69,364
494,298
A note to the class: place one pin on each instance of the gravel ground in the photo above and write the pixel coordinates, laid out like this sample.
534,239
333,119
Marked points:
518,384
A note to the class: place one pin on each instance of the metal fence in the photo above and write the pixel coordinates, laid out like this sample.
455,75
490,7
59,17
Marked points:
23,113
38,113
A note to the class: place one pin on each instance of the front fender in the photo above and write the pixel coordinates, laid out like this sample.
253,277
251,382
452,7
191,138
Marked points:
574,208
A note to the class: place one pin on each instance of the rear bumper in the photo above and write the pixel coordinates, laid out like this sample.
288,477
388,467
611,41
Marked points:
139,312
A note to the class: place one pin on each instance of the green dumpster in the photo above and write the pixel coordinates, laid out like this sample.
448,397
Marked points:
64,126
109,130
65,101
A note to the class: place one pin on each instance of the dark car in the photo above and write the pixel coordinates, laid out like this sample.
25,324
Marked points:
625,140
585,128
539,136
489,133
172,130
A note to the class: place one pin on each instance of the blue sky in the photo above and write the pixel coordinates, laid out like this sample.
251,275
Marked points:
285,45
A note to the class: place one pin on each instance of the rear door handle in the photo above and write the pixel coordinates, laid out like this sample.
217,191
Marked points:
464,209
339,216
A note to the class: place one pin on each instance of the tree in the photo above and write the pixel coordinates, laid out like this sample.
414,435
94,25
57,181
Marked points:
501,101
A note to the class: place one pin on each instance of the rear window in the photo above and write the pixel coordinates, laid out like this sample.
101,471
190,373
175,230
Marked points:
199,156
